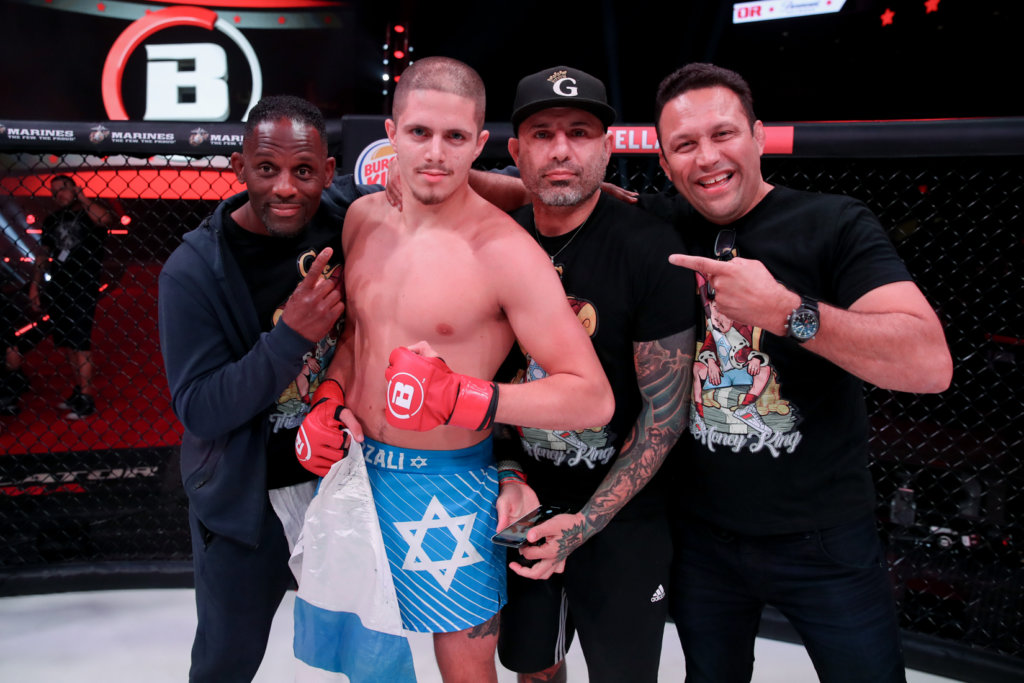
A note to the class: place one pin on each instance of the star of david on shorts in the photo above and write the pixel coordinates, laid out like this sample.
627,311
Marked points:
436,517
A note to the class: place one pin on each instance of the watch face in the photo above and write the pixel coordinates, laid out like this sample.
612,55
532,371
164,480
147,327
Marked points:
804,324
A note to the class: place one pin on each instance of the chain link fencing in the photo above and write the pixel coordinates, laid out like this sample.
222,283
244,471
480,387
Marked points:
101,495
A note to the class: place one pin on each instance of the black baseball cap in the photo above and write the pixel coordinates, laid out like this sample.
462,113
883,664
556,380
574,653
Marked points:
561,86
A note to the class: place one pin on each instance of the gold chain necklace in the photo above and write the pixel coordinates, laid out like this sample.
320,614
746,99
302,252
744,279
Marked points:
576,231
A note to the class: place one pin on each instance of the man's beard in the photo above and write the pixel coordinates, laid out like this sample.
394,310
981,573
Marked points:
566,195
278,228
432,196
429,198
566,192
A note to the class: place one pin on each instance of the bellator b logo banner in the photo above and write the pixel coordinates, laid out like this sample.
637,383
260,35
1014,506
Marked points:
145,60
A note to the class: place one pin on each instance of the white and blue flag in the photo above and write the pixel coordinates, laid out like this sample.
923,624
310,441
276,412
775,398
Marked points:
347,622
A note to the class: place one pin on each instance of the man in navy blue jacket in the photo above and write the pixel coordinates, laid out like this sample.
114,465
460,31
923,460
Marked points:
249,304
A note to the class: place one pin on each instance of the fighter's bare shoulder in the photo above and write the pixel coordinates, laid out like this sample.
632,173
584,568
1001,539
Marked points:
364,212
367,205
502,239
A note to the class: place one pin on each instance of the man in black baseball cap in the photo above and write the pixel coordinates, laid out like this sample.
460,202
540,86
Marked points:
561,86
613,262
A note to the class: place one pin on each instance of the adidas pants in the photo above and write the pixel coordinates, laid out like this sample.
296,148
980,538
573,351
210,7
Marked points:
612,593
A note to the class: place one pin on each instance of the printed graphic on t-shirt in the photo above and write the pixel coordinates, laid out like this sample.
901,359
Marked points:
296,400
68,235
737,402
588,448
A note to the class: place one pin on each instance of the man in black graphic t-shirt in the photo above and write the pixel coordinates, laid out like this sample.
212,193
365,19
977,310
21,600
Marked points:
605,563
804,298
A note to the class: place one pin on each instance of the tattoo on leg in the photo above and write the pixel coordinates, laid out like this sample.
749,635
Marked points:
555,674
488,628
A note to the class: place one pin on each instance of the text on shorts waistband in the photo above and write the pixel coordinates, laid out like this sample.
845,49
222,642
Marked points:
381,456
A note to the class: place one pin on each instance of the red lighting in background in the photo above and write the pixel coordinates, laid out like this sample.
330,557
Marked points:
114,185
125,220
34,231
931,6
30,326
887,16
397,78
395,59
30,219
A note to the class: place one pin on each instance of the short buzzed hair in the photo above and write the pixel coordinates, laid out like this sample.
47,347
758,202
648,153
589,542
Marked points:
446,75
274,107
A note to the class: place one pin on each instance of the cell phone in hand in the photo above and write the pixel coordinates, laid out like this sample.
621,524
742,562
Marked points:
514,535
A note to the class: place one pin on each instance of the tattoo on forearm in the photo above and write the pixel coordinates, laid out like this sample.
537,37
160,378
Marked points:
664,375
571,539
488,628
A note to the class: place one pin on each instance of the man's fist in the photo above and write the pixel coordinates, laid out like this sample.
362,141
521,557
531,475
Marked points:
424,393
320,441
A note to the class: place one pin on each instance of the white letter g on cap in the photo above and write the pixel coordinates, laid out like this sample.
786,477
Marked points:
565,90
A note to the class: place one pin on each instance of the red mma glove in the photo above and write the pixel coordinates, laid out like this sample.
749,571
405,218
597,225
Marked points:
424,393
320,441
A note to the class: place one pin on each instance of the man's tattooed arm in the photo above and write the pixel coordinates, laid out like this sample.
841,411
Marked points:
664,374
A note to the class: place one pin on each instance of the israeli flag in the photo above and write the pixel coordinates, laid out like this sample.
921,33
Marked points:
347,623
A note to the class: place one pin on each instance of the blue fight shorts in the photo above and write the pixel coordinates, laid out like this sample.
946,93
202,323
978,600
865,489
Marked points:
437,515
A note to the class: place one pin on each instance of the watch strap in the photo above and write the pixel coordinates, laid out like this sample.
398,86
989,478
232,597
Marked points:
807,303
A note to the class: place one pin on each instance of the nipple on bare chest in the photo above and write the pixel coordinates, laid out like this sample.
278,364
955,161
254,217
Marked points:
444,329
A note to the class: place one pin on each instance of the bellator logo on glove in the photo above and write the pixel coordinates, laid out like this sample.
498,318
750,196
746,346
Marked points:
405,396
323,439
424,393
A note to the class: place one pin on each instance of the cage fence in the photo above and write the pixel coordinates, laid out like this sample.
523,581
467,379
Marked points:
104,491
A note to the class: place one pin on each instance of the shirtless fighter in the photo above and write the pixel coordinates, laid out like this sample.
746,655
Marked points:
453,274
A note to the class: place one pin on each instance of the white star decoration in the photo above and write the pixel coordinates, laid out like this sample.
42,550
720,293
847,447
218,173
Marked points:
436,517
418,462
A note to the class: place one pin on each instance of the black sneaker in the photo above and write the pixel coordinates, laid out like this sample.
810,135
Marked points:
9,406
69,402
82,407
13,383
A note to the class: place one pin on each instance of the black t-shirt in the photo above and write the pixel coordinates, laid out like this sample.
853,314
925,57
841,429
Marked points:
75,245
271,278
780,435
616,274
